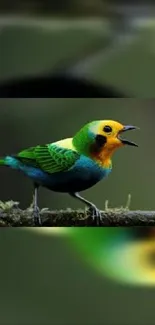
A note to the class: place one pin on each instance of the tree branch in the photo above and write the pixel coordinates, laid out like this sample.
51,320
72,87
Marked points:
12,216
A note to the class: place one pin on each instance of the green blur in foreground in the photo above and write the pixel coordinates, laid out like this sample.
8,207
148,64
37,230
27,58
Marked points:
125,255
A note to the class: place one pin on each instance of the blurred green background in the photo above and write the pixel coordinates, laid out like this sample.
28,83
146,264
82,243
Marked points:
111,42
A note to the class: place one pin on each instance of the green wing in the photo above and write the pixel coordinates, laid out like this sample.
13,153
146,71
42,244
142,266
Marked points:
49,158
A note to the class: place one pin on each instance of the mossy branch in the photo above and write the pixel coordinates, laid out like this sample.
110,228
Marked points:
12,216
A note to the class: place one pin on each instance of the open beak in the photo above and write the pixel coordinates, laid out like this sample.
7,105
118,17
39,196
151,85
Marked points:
124,141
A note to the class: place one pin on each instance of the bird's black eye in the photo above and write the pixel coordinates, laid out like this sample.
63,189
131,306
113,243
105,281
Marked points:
107,129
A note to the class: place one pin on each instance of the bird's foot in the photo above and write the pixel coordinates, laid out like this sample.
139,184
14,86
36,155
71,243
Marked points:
96,214
36,216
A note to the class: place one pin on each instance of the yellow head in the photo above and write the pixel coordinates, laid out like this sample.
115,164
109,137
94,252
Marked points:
108,138
101,138
110,133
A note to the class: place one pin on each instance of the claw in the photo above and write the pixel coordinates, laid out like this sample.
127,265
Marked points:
96,214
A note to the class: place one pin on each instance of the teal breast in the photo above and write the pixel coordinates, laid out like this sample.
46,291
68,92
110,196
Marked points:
83,175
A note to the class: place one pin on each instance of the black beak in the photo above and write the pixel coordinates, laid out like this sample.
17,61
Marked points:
127,128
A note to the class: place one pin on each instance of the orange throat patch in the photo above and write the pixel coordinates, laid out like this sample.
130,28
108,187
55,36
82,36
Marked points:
103,158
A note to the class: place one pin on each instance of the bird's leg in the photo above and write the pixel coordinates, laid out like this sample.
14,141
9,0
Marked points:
36,214
95,211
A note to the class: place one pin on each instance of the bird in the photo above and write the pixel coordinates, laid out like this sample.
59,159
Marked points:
74,164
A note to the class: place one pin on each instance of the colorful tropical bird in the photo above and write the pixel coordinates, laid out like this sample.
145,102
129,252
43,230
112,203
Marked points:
74,164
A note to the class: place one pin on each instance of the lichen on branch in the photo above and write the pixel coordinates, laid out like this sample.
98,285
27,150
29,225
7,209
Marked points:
12,216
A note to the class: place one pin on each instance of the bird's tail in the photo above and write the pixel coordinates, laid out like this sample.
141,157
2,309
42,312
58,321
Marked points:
9,161
2,161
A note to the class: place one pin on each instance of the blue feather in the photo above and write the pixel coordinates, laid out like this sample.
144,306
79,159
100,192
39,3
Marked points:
82,175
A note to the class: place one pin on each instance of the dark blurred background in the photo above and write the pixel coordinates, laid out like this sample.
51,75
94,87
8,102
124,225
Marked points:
110,43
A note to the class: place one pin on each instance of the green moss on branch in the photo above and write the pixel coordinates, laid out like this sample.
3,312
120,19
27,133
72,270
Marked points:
12,216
